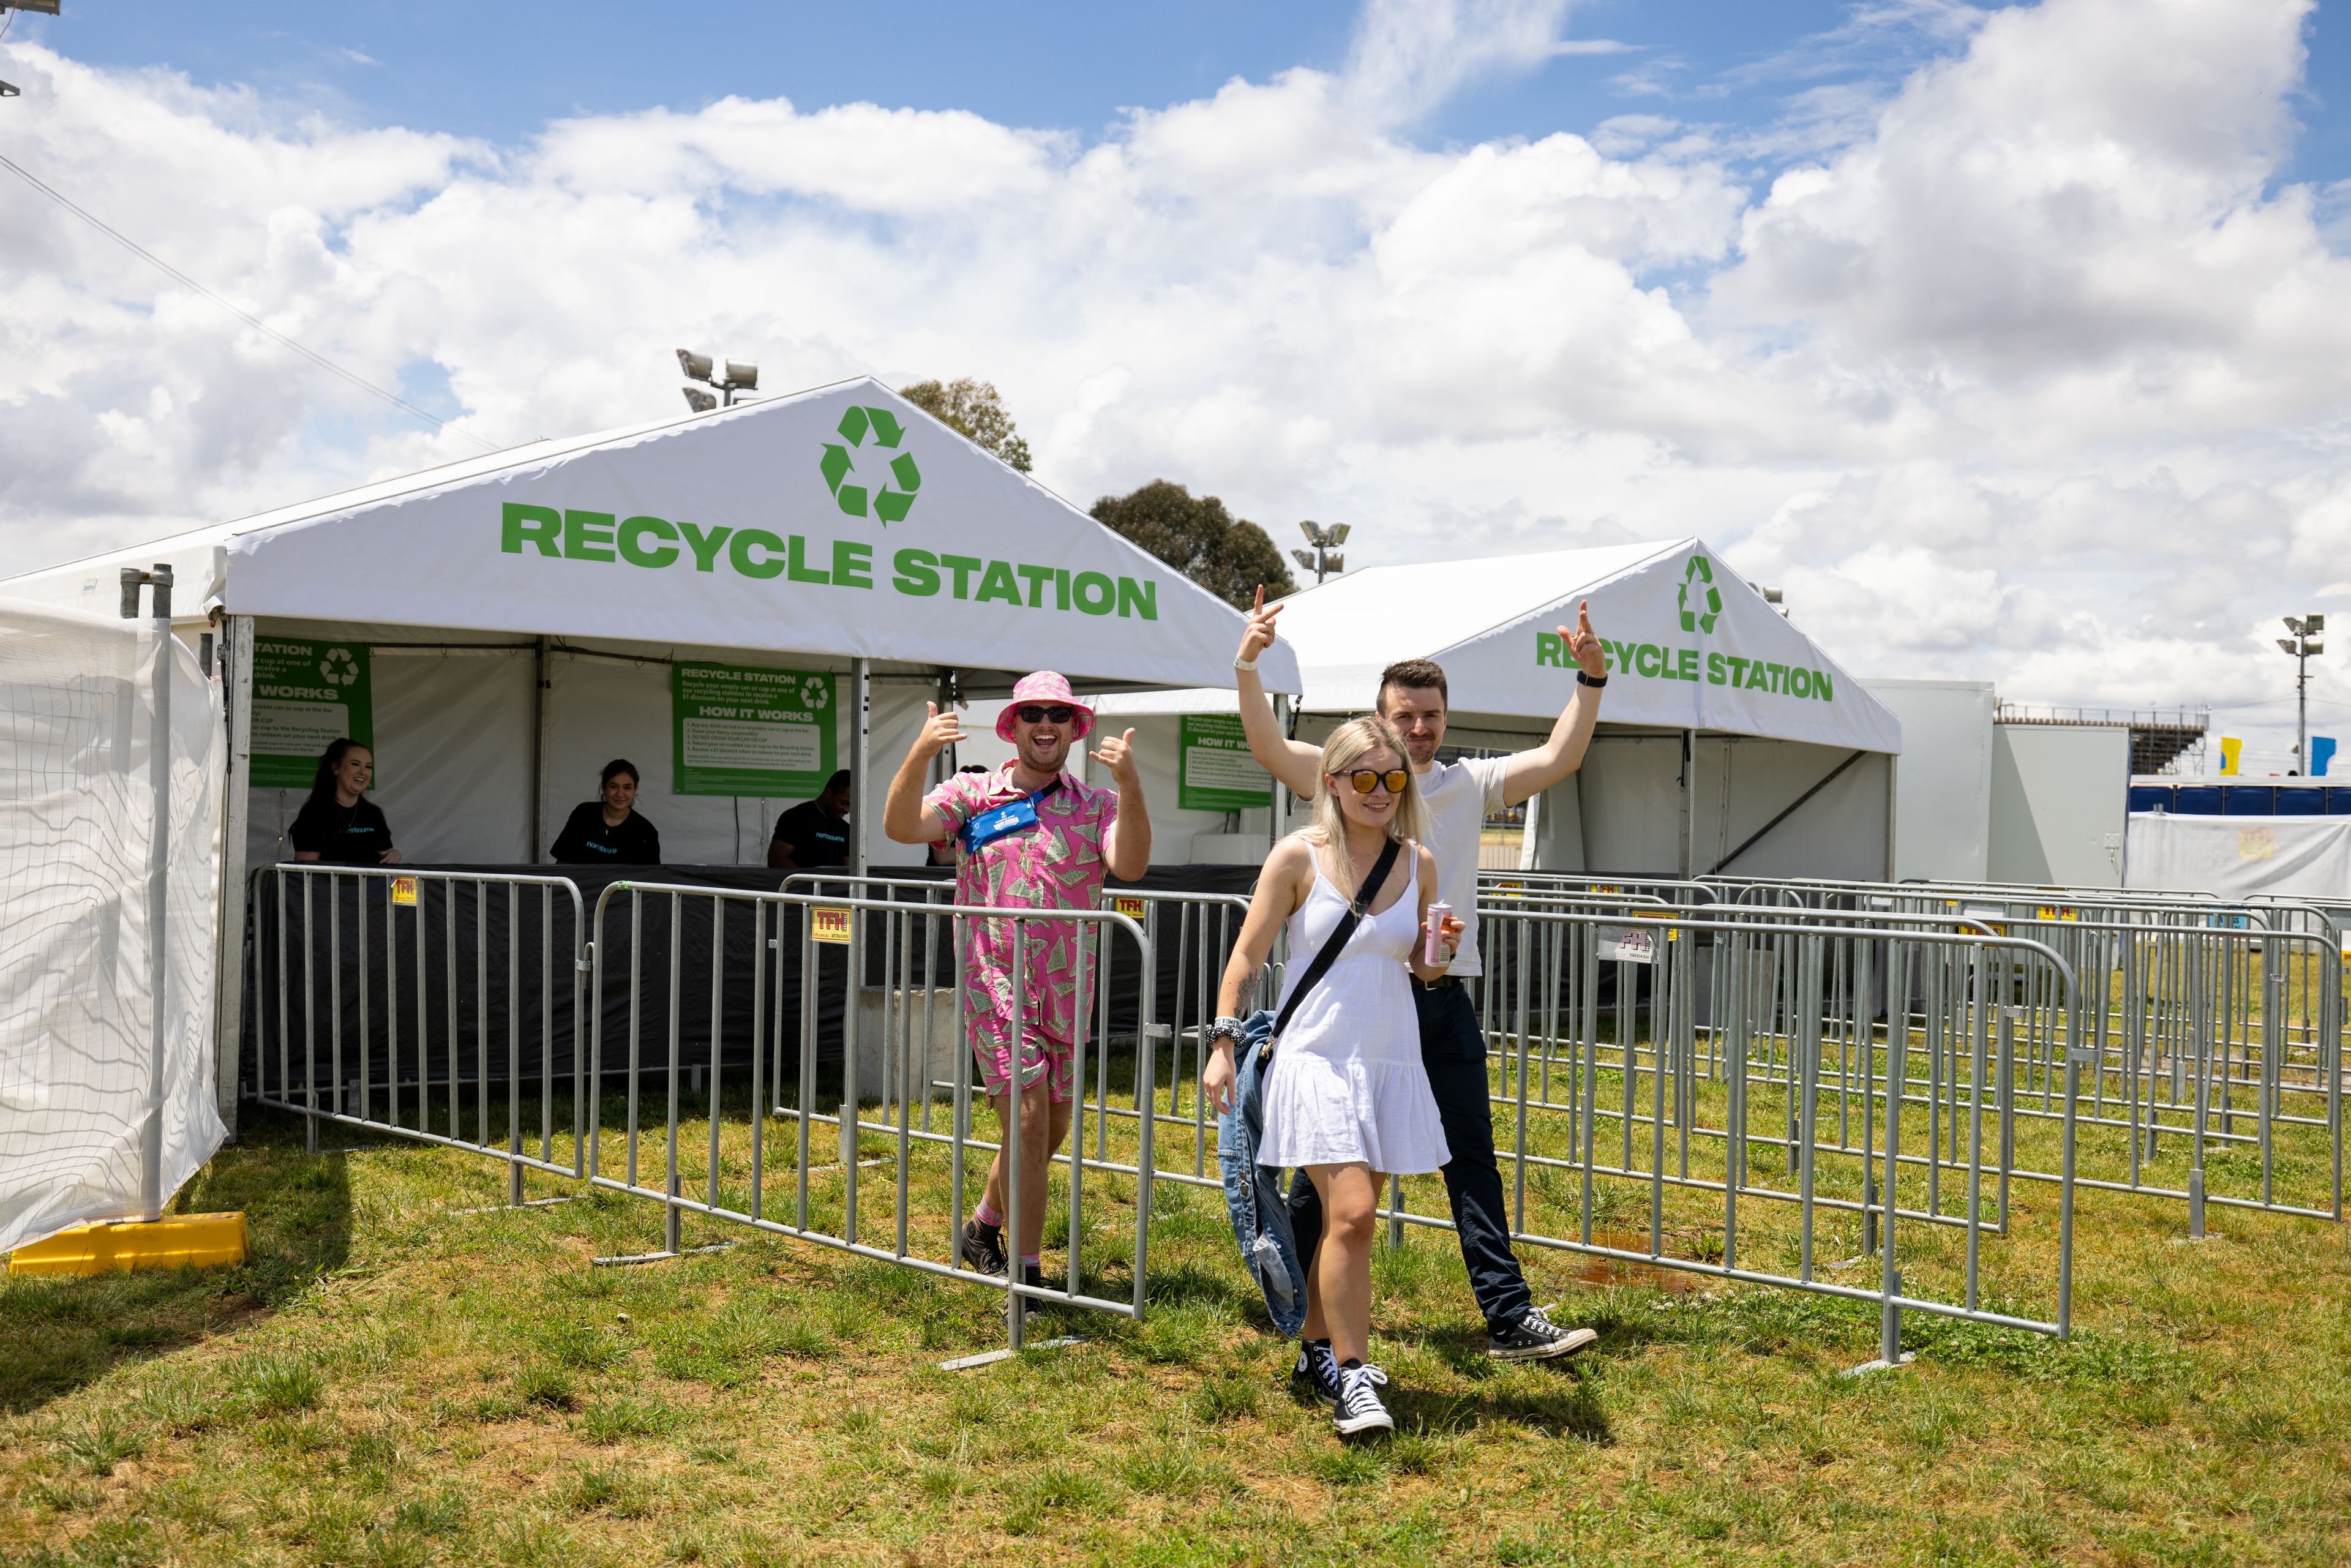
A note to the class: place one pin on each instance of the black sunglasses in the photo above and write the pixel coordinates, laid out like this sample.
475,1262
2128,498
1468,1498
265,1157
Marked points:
1030,712
1367,779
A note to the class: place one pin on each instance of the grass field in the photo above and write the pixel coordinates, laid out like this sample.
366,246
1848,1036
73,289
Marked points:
392,1383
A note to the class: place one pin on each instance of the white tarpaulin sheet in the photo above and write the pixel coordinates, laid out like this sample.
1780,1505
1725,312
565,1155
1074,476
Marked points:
1690,645
77,972
2234,857
843,521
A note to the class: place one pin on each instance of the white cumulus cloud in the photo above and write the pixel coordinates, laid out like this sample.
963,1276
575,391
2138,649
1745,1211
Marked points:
2032,371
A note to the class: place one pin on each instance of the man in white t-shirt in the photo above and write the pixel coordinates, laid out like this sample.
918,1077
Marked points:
1459,796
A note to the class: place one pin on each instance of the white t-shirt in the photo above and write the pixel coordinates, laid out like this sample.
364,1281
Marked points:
1457,795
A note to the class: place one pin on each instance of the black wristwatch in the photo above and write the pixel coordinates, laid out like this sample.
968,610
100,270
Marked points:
1583,679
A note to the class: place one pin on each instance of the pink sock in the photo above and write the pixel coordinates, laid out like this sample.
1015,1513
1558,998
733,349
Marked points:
989,1215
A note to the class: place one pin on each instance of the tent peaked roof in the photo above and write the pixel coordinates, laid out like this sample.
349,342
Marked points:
1690,645
842,520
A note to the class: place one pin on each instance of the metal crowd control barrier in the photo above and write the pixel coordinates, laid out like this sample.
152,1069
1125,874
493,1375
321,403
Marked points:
2221,1035
1798,1064
817,1192
378,1005
1192,934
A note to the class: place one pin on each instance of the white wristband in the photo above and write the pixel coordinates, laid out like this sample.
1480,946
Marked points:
1250,665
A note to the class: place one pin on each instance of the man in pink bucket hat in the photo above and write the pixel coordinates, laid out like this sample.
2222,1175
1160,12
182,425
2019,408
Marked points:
1026,836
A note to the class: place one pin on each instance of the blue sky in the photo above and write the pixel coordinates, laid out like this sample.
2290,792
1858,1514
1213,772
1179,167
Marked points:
500,71
2034,381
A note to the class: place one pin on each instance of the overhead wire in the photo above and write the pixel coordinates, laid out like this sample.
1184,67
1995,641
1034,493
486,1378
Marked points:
173,273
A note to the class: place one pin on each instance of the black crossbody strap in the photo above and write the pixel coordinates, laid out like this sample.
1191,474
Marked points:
1337,941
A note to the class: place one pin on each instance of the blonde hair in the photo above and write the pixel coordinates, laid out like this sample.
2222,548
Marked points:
1348,745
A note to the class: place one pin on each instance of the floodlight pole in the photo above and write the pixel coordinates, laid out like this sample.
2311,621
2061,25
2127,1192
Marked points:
2302,646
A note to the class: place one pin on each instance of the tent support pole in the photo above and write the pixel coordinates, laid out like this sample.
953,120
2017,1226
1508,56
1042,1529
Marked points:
1689,798
539,720
228,962
1275,795
860,680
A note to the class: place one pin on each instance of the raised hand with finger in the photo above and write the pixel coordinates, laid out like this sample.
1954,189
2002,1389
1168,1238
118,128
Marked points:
940,730
1116,752
1585,645
1259,634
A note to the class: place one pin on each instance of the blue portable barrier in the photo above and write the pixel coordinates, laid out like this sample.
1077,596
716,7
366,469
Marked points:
2197,800
2309,801
2248,801
2151,798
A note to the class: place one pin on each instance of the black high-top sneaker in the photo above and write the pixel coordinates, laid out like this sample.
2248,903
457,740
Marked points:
1318,1369
1359,1408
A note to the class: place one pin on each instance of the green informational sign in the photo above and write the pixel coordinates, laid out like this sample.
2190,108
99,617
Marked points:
1216,772
743,731
305,695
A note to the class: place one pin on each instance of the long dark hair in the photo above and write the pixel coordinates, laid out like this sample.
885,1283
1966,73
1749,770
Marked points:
322,787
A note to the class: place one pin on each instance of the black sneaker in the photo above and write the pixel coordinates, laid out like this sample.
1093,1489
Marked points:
983,1246
1359,1408
1319,1369
1536,1338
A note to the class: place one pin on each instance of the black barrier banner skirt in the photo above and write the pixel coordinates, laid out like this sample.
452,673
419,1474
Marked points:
394,967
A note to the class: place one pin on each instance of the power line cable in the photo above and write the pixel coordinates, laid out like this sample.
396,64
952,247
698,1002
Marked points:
165,267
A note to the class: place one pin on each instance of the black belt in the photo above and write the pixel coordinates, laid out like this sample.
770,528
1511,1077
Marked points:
1438,984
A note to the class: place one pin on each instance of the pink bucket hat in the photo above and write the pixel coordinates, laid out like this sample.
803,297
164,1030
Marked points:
1045,686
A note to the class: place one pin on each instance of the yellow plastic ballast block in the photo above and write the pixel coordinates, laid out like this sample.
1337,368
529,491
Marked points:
174,1241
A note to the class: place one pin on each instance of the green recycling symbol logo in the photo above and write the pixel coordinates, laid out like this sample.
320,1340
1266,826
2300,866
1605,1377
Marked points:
338,668
815,692
1699,575
839,466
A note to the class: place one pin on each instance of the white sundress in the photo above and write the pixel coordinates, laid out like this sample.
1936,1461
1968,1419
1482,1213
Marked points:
1347,1085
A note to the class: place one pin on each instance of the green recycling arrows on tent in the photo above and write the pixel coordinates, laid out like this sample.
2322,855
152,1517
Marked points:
1700,571
838,465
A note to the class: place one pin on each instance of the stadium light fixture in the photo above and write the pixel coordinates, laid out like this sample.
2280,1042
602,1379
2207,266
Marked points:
1323,558
729,376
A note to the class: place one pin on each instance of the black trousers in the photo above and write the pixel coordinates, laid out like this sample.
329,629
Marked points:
1453,1049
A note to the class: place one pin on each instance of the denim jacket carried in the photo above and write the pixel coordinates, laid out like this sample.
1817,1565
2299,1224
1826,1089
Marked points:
1255,1193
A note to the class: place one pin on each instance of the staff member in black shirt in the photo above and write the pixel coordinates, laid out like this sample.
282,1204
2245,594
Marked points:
609,832
814,834
339,824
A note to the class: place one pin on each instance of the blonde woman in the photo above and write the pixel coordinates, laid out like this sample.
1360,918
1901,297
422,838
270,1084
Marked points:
1347,1099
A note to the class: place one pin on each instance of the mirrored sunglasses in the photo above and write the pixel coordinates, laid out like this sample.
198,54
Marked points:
1365,780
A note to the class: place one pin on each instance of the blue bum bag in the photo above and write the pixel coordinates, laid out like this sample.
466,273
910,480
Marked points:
1002,821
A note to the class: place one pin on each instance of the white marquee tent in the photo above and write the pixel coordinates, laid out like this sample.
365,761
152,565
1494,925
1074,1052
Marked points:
687,594
1697,661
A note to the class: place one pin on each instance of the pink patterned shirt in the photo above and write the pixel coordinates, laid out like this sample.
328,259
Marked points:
1058,864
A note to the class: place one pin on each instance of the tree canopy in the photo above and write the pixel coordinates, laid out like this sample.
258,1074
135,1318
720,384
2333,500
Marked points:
1228,556
973,409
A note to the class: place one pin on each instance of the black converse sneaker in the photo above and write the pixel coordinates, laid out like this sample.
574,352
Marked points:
1359,1408
983,1246
1319,1369
1536,1338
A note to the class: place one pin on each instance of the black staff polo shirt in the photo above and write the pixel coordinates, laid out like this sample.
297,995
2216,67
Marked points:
587,840
340,835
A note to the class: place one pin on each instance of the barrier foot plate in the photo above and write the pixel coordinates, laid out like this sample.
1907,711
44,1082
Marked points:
1881,1365
989,1358
174,1241
503,1207
625,1260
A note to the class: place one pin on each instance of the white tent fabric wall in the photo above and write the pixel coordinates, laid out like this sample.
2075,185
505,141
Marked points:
2237,857
77,1001
1690,646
